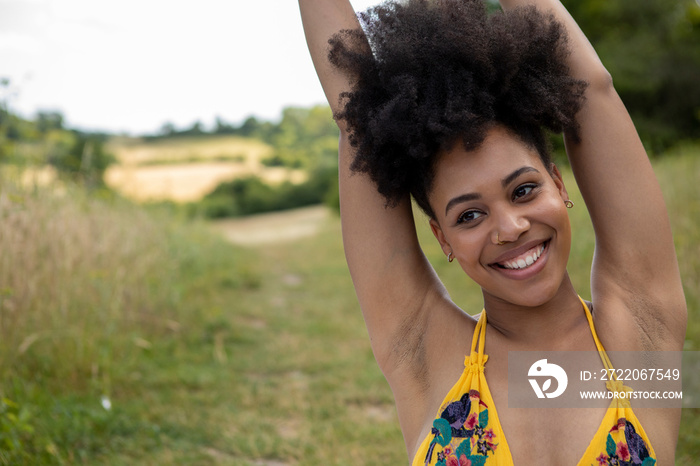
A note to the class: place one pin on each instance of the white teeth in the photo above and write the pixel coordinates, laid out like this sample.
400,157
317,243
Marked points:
526,262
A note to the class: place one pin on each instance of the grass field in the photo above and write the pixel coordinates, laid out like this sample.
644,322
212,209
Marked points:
135,151
131,337
186,169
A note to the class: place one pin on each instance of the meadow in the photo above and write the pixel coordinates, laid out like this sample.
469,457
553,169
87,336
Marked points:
132,336
184,169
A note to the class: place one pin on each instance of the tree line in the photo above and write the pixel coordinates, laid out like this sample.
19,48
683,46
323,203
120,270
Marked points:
652,50
77,155
303,137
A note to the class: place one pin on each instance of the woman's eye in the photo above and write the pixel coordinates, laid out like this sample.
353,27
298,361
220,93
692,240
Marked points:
469,216
523,190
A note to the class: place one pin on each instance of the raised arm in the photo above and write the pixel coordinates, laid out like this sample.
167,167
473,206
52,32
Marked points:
394,282
635,272
322,19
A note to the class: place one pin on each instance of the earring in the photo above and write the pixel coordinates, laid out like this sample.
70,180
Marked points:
498,240
569,203
449,257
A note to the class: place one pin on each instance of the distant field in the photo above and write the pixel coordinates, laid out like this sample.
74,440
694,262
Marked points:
186,169
136,151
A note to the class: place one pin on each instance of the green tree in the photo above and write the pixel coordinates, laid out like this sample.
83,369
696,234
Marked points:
48,120
222,127
167,129
85,159
305,137
249,126
6,142
196,129
652,50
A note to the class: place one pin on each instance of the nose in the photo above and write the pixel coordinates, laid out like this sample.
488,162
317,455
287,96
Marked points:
509,225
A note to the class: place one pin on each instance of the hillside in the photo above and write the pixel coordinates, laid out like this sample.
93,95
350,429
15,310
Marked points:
186,169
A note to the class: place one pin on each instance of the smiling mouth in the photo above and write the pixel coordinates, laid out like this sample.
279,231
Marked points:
524,260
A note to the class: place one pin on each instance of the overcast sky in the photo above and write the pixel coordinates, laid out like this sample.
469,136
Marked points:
132,65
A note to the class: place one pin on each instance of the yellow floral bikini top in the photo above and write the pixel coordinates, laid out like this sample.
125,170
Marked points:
467,432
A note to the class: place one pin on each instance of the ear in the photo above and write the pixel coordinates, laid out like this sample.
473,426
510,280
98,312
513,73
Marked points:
558,181
440,236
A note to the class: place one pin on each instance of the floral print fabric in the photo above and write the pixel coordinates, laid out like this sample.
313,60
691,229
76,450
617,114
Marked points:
461,435
467,431
625,447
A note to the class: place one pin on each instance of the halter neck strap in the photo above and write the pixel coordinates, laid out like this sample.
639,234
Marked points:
480,338
480,333
599,346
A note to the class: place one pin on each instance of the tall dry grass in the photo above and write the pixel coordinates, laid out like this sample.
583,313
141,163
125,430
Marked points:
104,305
679,176
79,273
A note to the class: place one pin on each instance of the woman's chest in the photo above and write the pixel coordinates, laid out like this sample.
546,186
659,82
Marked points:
537,436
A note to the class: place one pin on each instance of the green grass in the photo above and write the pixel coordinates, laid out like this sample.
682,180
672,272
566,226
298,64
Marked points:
213,354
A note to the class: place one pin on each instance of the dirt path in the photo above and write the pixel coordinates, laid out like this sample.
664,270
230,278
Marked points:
275,227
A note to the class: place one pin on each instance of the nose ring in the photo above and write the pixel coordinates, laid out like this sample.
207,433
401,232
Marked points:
498,240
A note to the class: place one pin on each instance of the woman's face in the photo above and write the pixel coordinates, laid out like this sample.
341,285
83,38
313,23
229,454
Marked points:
502,192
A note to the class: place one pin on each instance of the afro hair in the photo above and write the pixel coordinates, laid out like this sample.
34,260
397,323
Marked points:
443,71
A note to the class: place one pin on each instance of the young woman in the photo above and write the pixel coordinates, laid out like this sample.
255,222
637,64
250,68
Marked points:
438,100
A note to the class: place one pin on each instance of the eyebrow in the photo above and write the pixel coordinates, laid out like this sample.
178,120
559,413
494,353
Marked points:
509,179
474,196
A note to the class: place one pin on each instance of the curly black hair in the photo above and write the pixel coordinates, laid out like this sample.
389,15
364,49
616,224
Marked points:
437,71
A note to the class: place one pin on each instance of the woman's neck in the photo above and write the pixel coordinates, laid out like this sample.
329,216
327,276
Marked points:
549,322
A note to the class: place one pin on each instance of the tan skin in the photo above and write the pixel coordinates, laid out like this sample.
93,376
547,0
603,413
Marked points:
419,336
